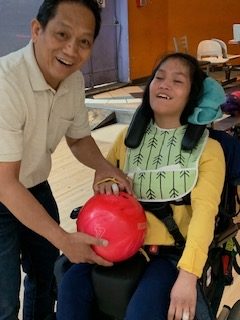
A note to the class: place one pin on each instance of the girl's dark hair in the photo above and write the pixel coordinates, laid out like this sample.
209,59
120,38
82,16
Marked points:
48,9
197,77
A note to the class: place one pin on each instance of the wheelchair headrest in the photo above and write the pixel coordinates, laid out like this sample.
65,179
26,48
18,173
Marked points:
139,125
207,111
192,135
137,128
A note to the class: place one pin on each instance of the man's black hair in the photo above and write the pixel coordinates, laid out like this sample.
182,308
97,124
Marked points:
48,9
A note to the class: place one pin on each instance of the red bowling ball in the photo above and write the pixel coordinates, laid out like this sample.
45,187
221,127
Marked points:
120,219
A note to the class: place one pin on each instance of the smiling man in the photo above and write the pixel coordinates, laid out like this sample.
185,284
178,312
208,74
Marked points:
42,100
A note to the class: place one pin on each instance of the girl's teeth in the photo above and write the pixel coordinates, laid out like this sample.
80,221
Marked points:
164,96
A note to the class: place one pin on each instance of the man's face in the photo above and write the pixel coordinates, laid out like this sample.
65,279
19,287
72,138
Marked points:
66,42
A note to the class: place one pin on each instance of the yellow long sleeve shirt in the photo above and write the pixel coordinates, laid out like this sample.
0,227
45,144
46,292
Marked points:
196,222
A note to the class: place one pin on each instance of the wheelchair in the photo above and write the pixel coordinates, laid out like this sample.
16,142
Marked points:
114,286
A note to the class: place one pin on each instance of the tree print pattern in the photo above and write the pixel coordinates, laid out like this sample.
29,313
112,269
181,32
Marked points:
162,170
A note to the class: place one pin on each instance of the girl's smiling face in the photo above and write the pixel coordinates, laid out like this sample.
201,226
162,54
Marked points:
169,92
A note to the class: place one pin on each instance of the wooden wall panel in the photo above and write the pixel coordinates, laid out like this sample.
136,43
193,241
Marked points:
147,36
152,28
201,20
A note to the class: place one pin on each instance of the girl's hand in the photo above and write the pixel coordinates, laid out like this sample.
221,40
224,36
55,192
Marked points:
183,297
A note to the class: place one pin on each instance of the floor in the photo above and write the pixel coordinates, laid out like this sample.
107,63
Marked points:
72,187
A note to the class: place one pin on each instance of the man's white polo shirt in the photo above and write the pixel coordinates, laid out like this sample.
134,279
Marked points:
34,117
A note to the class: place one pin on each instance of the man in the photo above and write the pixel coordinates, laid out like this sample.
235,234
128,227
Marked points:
42,100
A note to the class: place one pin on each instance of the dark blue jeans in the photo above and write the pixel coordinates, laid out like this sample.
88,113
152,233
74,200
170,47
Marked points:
150,300
19,245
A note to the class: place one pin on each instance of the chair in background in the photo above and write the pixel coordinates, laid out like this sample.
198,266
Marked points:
215,51
181,45
234,67
223,46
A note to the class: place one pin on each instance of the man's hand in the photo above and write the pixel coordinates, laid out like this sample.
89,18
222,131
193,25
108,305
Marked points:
77,247
183,297
88,153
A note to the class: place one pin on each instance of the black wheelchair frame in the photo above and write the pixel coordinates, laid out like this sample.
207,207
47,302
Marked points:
114,286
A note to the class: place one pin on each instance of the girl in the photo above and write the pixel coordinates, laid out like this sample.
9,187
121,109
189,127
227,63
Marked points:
177,93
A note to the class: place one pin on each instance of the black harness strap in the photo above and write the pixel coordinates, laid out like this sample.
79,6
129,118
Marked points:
164,213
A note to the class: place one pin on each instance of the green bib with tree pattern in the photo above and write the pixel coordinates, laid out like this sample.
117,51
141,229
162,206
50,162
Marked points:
160,169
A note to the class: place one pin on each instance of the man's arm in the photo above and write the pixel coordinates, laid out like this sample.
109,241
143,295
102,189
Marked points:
88,153
76,246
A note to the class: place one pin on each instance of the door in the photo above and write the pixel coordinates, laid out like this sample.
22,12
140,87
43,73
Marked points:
102,67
